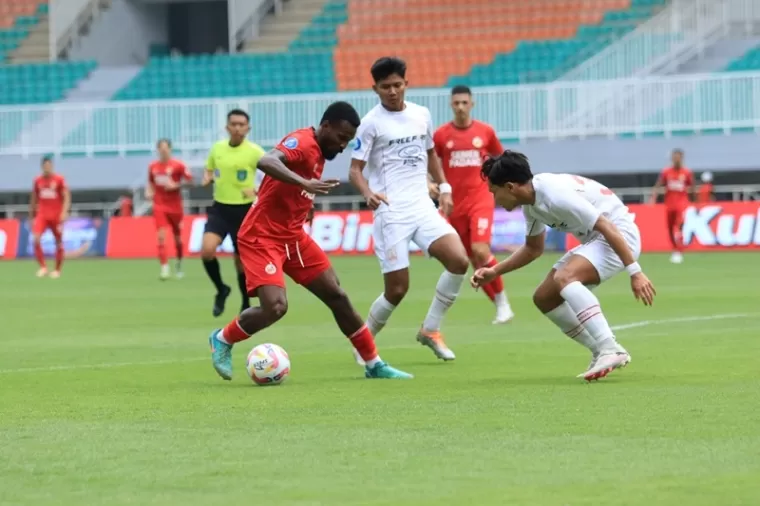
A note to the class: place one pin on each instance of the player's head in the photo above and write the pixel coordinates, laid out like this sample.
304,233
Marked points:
47,165
164,147
337,128
509,179
238,125
389,74
461,103
676,157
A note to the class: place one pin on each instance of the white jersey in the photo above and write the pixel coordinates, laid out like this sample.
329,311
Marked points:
395,147
572,204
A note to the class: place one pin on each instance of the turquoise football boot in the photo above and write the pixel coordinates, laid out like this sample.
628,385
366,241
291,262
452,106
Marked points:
383,370
221,355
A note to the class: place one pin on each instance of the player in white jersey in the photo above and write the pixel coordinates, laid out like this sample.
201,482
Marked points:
610,244
394,147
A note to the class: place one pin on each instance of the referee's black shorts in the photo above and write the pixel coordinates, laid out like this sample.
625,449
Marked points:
225,219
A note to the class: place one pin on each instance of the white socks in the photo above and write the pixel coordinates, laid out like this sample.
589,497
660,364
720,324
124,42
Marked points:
564,317
589,315
446,292
379,313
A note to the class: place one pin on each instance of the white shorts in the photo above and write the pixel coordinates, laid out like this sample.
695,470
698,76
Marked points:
393,234
600,253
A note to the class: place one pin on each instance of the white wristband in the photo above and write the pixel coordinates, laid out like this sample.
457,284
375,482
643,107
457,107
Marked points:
633,269
444,188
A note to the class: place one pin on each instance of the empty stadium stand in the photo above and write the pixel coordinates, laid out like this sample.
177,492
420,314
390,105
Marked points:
16,19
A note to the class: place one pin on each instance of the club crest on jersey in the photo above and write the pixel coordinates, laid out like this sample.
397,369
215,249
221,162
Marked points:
270,268
449,144
357,144
290,143
477,142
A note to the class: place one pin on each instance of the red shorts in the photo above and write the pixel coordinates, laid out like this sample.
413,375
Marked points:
42,223
171,219
674,217
474,226
266,261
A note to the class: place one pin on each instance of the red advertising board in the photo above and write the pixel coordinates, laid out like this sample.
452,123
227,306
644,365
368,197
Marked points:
9,231
716,226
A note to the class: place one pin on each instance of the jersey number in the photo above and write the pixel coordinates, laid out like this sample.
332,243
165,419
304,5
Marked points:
603,190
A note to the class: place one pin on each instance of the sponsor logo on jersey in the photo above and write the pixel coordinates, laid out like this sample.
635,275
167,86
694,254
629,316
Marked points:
465,158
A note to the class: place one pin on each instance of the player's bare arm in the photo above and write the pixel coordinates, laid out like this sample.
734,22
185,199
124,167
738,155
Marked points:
656,189
33,204
358,181
525,254
66,204
642,288
208,177
435,172
274,165
150,189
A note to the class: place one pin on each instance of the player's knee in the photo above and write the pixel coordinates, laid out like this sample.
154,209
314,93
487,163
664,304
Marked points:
458,264
275,310
208,254
481,253
396,292
338,299
564,277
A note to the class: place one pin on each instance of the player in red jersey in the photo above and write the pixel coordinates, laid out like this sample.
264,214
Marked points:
48,208
462,144
272,242
679,184
165,178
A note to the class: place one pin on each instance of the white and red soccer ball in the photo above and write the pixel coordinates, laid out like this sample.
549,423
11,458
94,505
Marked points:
268,364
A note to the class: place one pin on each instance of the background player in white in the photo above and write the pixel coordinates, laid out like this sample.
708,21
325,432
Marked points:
395,145
610,244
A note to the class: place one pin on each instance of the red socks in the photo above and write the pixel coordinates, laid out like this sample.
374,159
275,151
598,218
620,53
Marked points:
234,333
162,256
59,254
496,286
39,255
364,343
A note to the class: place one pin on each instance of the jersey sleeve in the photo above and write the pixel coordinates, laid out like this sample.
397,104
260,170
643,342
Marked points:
293,147
210,161
576,212
494,144
36,187
429,144
533,227
365,140
151,178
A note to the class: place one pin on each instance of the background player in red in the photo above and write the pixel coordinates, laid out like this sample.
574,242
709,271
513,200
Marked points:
49,207
462,144
272,242
165,178
706,190
679,184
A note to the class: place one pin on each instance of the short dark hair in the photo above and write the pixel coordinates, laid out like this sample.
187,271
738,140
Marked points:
46,159
509,167
341,111
461,88
238,112
162,141
387,66
677,151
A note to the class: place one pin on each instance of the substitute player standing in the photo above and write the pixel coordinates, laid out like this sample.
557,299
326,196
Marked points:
231,166
610,244
395,145
165,178
48,208
679,184
462,144
272,242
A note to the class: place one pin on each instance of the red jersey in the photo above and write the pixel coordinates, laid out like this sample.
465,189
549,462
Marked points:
677,183
705,193
281,209
159,175
462,151
49,192
125,207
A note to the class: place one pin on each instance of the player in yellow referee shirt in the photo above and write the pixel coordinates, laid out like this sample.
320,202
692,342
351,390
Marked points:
231,166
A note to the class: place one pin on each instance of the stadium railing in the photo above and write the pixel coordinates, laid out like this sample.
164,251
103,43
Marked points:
719,103
356,202
682,31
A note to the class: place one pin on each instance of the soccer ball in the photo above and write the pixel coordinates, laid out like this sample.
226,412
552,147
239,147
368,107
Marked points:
268,364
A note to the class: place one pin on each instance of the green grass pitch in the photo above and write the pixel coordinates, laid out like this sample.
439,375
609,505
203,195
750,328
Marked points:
107,396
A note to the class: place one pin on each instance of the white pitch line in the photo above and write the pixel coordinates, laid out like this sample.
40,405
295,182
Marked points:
625,326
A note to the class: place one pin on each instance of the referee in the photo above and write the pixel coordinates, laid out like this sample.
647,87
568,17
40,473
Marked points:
231,166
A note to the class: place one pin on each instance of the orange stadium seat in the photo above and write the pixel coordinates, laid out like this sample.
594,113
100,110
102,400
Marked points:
441,39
